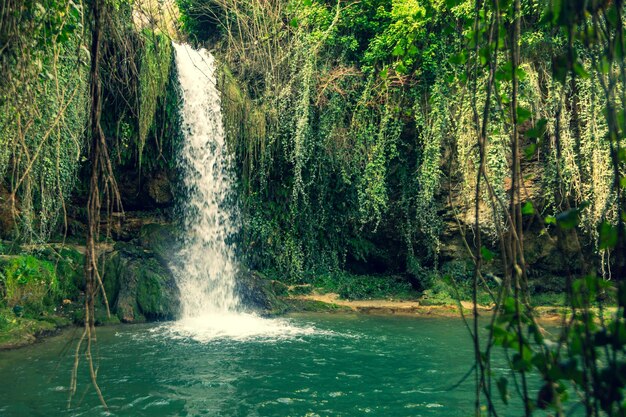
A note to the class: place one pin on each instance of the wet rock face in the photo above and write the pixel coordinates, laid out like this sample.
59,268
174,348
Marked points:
149,191
159,189
141,286
138,280
257,293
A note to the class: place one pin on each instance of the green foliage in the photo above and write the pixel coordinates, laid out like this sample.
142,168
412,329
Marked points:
154,71
398,42
433,121
69,268
43,129
30,283
355,129
562,368
364,287
201,30
44,106
319,138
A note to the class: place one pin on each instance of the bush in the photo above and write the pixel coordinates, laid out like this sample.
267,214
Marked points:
30,283
4,319
363,287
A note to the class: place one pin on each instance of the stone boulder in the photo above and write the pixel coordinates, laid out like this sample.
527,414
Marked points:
159,188
140,284
258,294
162,240
138,280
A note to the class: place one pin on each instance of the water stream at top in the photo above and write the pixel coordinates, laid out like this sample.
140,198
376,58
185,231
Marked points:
210,307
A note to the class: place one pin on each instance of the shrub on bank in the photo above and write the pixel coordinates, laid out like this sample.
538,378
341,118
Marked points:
29,283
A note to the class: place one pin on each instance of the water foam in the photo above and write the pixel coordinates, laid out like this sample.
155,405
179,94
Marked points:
237,327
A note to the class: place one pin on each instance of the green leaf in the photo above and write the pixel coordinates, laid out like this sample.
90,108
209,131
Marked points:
550,220
486,254
458,59
505,72
484,55
568,219
503,390
509,305
398,51
452,3
580,70
294,22
608,235
523,114
556,10
520,364
307,2
538,130
529,151
528,208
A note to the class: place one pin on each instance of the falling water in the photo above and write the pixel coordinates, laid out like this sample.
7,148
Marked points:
206,277
207,267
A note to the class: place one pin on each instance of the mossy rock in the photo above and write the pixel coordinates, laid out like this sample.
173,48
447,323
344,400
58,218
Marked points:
305,289
157,293
162,240
280,289
17,332
139,285
299,305
257,293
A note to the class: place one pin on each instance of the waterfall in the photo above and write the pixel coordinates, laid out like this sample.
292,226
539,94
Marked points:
206,275
206,269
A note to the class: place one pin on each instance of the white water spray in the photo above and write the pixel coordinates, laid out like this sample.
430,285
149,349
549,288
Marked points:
206,277
207,265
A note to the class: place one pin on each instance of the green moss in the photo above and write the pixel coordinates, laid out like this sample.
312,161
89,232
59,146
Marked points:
312,306
111,281
160,239
18,331
301,290
280,289
151,297
243,118
29,283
